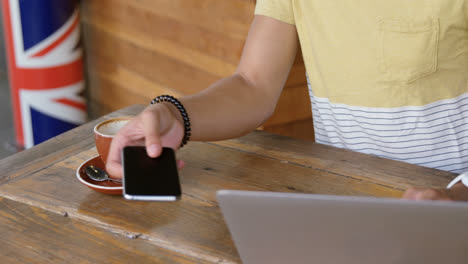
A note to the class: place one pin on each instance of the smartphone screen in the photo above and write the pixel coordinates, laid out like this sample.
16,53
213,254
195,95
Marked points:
150,179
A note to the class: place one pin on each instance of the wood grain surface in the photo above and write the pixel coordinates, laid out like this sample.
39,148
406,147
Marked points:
38,187
40,236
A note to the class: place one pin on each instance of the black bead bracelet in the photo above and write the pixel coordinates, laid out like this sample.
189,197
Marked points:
183,112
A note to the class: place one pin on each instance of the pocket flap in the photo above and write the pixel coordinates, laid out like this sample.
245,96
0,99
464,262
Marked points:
408,26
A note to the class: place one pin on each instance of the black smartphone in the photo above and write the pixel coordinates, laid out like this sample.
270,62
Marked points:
150,179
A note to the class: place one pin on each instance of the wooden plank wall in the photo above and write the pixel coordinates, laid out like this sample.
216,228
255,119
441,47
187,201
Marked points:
138,49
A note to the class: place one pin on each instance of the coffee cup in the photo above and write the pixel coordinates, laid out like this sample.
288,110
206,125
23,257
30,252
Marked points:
105,131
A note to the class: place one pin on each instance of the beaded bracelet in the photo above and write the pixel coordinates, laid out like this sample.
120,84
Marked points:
183,112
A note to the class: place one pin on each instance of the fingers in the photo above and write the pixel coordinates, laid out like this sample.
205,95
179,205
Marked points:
151,128
114,162
143,130
410,194
425,194
130,135
180,164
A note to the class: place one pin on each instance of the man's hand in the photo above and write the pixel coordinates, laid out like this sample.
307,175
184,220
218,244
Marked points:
156,127
458,192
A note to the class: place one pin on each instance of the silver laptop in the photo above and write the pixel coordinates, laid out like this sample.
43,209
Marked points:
292,228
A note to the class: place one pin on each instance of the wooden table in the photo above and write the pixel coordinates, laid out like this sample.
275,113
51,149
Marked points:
46,215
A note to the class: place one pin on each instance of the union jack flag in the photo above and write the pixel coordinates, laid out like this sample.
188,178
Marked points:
45,67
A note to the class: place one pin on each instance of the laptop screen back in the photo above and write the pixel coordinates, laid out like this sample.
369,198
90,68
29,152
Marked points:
306,228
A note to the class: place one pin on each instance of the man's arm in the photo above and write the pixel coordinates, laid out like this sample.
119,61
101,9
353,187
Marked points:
229,108
238,104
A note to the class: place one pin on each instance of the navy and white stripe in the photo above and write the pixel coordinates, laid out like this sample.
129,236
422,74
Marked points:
434,135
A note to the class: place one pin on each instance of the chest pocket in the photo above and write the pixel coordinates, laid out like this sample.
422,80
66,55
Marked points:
408,49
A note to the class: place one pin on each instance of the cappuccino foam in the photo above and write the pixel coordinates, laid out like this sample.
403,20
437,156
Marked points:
111,128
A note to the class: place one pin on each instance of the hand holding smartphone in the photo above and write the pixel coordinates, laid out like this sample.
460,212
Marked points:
150,179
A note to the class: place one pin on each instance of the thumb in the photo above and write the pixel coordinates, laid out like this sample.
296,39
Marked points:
151,130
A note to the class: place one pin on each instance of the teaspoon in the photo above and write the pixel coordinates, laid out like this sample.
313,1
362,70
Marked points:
98,174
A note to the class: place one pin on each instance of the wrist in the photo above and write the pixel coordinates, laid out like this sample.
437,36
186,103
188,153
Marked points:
458,192
182,114
462,179
172,110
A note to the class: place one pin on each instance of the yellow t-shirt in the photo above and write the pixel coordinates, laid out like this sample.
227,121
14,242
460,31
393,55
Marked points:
388,78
